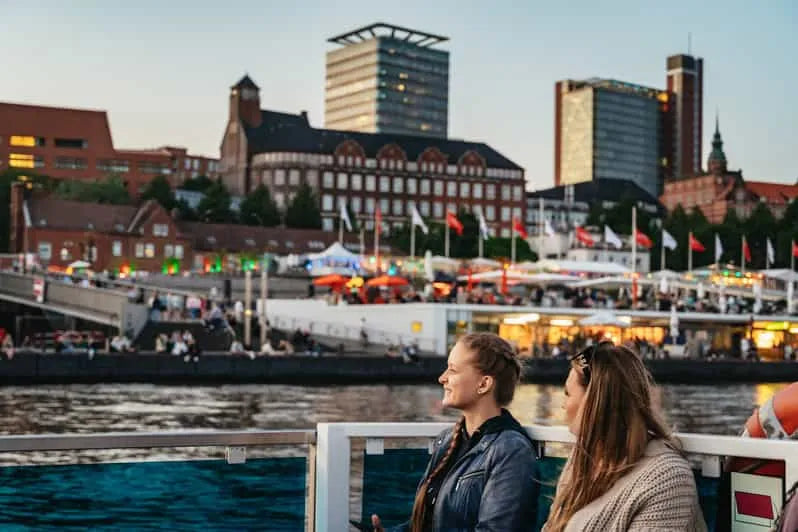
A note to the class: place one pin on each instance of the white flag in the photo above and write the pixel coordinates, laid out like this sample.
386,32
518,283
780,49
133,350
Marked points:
417,220
718,248
483,226
611,238
345,217
548,230
668,241
771,253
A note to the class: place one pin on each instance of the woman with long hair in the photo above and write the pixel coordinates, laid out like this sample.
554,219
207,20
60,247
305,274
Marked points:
482,472
626,470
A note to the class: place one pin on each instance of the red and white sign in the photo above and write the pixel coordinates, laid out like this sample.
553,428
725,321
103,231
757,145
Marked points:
38,289
756,501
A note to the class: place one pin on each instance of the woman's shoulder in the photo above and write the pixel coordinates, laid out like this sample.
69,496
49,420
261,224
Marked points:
664,468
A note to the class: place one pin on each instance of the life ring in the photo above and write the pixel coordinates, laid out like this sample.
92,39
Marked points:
777,418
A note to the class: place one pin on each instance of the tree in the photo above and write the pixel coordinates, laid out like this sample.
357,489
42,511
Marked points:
215,205
111,191
303,211
258,208
185,212
198,184
760,226
160,190
501,248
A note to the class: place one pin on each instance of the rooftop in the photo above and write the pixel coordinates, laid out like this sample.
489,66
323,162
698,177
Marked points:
602,189
382,29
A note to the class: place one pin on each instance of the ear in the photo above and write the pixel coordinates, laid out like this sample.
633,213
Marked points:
486,384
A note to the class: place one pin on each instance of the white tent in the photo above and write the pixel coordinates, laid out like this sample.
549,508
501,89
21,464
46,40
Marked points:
520,277
604,319
485,263
577,266
335,251
79,264
440,261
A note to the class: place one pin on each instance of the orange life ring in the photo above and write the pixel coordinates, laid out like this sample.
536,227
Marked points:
777,418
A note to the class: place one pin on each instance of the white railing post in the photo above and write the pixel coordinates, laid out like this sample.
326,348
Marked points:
332,477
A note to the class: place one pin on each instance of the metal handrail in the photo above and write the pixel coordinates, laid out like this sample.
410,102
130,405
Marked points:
135,440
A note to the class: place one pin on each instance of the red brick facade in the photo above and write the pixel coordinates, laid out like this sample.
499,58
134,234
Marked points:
76,144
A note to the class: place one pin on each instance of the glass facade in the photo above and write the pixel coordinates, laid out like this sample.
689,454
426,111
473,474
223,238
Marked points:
388,85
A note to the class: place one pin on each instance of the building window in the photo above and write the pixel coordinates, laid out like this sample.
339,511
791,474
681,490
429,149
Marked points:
25,160
327,224
490,212
371,183
160,230
505,233
437,209
490,191
506,192
451,207
357,181
398,185
279,199
425,187
188,164
385,207
397,207
45,250
168,251
327,180
149,251
465,189
370,205
116,248
478,190
70,163
179,251
411,186
279,177
65,254
438,188
113,165
356,204
25,141
505,214
342,181
517,193
327,202
451,189
385,184
293,177
71,143
423,207
139,250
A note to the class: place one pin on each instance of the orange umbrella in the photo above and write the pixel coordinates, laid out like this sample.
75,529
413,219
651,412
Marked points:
387,280
330,280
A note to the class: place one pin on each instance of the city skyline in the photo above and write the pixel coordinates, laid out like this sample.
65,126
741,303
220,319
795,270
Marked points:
165,80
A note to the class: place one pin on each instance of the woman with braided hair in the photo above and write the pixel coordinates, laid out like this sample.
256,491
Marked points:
482,472
626,471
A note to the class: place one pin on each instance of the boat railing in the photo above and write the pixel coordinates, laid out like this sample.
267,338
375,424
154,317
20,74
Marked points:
334,455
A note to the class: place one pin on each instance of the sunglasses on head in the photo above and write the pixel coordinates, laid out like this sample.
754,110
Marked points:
584,357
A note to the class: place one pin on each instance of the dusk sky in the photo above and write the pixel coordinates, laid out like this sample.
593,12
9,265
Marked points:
163,69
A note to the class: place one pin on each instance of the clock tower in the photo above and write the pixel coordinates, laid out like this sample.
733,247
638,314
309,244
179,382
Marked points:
245,102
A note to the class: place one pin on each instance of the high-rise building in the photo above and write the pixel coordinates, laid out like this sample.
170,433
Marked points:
388,79
610,129
686,82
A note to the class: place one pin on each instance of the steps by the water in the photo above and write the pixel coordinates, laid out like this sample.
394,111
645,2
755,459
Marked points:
216,340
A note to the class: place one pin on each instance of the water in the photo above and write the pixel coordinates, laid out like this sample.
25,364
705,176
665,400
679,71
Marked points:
713,409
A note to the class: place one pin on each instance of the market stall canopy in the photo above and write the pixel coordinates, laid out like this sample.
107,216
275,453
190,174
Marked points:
575,266
604,319
79,265
387,280
331,280
335,251
485,263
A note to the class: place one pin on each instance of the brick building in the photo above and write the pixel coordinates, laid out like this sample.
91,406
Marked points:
145,238
76,144
365,170
720,189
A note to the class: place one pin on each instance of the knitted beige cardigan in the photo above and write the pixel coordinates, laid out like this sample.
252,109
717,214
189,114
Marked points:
657,494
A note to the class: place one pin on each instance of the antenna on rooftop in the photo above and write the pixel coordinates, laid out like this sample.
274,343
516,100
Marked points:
689,43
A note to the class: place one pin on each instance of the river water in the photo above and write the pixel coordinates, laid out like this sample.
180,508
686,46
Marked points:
712,409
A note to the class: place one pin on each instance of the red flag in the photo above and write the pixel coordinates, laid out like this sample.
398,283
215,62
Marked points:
746,250
643,239
584,237
695,245
794,249
378,220
453,222
519,228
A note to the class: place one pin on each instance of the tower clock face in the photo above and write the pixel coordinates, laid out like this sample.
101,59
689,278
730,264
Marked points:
248,94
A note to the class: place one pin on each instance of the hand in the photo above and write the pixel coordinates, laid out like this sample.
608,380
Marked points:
376,523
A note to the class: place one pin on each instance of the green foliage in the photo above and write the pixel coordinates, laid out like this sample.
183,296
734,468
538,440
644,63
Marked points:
215,205
111,191
303,211
160,190
258,208
7,177
197,184
185,212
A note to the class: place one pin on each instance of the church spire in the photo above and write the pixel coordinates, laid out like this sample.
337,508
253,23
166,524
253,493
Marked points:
717,158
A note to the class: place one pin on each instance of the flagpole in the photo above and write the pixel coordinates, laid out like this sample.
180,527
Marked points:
742,256
340,229
412,240
767,256
634,257
690,252
662,252
377,242
481,243
362,240
541,230
446,241
512,246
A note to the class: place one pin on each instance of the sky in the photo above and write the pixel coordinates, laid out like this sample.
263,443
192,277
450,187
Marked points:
162,69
